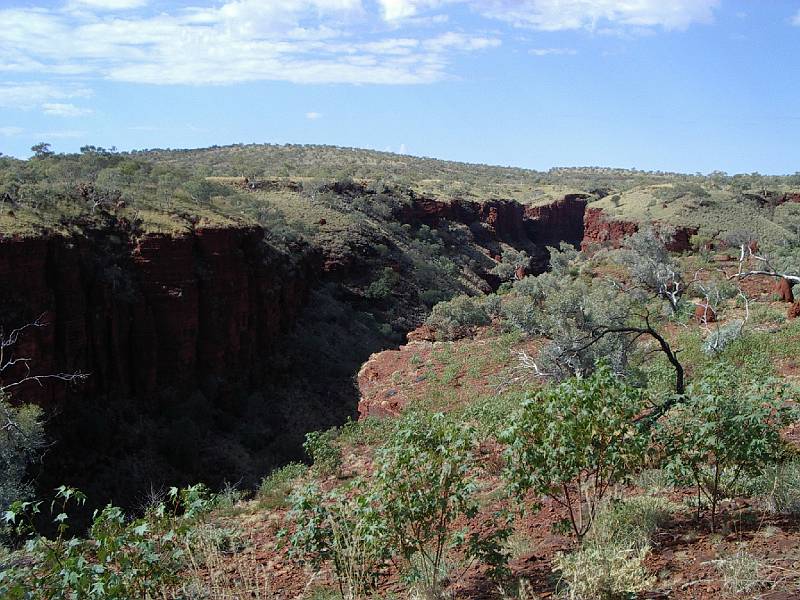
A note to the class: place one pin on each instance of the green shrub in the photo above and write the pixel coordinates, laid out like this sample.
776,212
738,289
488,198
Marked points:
20,442
726,429
424,482
457,317
574,441
323,451
383,287
346,530
630,522
121,558
781,488
275,488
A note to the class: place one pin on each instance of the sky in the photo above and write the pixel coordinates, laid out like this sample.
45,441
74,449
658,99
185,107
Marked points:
674,85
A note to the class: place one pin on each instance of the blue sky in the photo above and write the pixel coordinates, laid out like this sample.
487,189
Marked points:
683,85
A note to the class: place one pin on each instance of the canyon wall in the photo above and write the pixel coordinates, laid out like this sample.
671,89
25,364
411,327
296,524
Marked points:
151,314
603,231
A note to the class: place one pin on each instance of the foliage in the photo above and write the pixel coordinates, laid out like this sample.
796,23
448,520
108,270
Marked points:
457,317
576,440
424,482
383,286
276,487
612,572
345,529
510,261
780,487
121,559
725,429
651,265
22,438
323,451
630,522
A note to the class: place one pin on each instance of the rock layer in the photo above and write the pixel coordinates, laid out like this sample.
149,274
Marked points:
150,314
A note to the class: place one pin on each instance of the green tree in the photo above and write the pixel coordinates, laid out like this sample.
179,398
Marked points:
41,150
724,429
574,441
425,481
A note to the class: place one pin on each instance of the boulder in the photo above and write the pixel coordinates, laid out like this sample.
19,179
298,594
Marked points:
704,314
783,288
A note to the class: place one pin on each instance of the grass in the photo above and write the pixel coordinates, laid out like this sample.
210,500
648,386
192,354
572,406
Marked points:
276,487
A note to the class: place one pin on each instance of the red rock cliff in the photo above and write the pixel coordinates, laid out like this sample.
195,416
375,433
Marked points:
602,231
150,314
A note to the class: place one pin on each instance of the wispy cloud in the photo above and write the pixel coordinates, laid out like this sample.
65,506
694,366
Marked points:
30,94
796,19
552,51
59,135
559,15
10,131
301,41
313,116
108,4
59,109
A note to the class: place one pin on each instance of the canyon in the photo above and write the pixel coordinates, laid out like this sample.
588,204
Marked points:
185,336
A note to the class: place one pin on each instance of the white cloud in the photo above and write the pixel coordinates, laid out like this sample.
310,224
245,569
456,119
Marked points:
556,15
403,149
59,109
109,4
27,95
60,135
313,116
796,20
301,41
10,131
552,51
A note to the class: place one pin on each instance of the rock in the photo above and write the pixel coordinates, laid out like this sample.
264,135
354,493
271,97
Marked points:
520,273
424,333
704,314
605,232
783,289
794,310
322,222
177,311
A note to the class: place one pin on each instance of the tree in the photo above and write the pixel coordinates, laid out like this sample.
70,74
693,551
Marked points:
425,481
41,150
344,529
573,442
22,436
652,266
722,431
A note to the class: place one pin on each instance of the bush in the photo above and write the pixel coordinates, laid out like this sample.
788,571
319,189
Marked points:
383,287
344,529
321,448
574,441
781,488
723,431
630,522
275,488
120,559
20,442
456,318
603,573
425,482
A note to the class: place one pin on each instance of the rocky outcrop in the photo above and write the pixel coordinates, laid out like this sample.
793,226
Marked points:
599,230
783,289
149,315
506,221
561,221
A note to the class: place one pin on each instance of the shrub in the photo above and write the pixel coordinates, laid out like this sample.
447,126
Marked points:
603,573
741,573
722,337
781,488
121,558
457,317
574,441
425,482
275,488
383,287
630,522
20,442
344,529
723,431
321,448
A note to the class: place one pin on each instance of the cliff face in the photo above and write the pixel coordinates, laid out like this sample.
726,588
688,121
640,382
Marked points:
600,230
506,220
149,314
